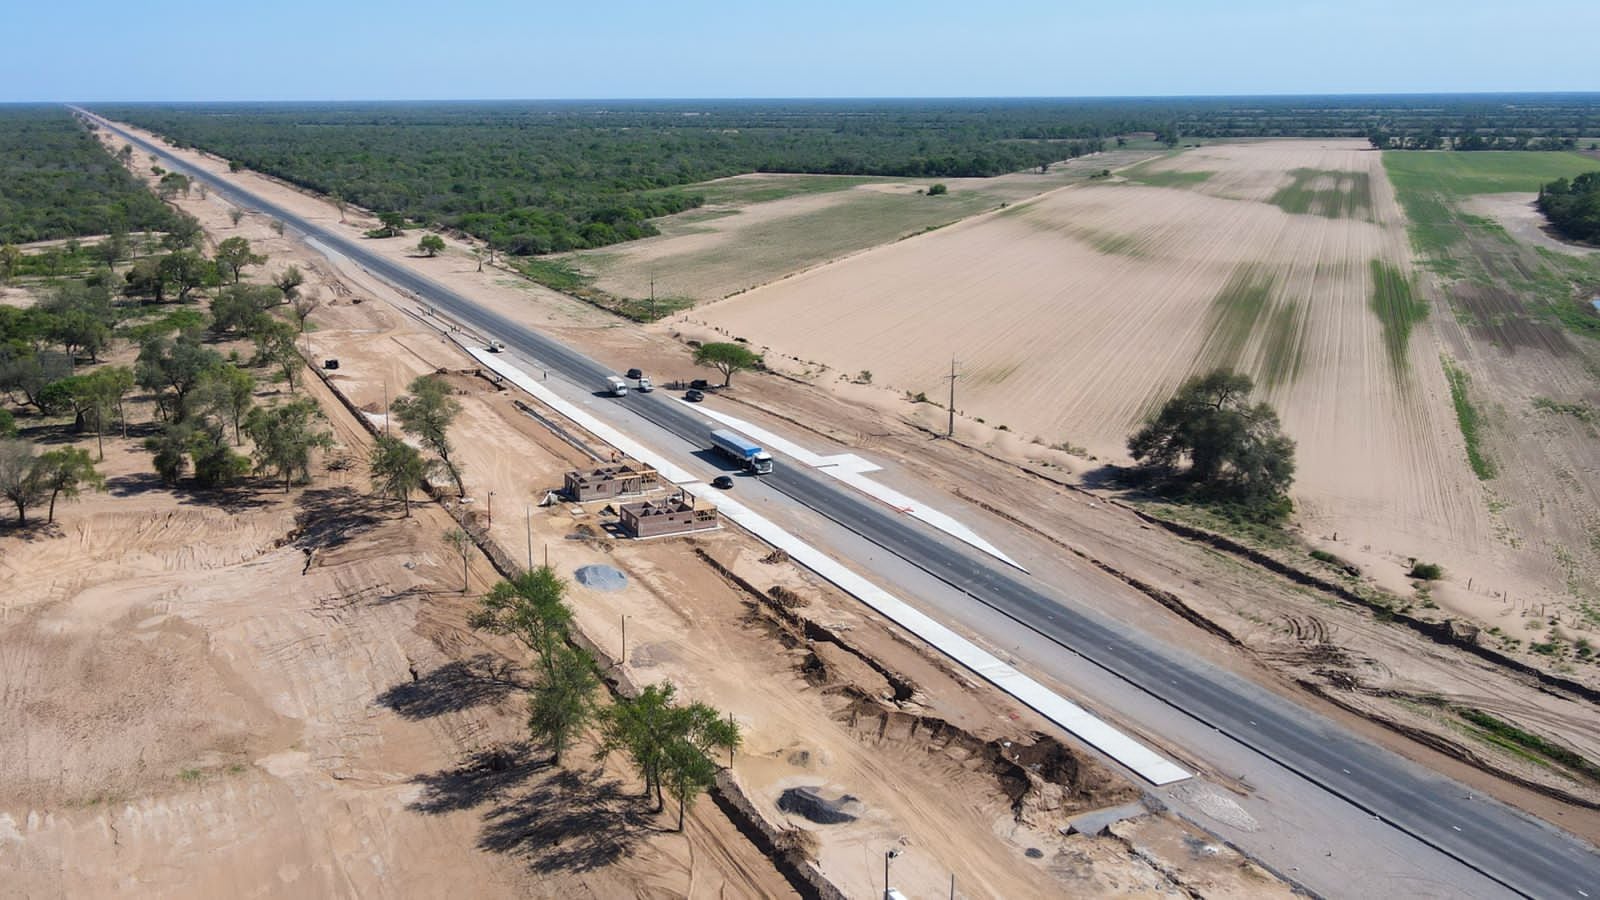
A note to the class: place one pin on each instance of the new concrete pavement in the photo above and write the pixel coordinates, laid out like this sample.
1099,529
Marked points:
1520,854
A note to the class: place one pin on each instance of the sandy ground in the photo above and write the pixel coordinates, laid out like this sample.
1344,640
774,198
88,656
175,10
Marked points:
192,714
731,244
811,715
311,716
1272,612
1073,316
870,418
1519,214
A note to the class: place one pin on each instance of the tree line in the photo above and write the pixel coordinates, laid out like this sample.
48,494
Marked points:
671,745
204,403
532,178
57,181
1573,207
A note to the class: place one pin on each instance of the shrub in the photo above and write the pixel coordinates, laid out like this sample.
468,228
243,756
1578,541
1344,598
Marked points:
1426,571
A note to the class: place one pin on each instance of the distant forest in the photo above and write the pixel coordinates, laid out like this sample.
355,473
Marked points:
540,177
57,181
1574,207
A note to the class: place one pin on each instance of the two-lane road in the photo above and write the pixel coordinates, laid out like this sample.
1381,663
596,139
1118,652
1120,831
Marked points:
1514,850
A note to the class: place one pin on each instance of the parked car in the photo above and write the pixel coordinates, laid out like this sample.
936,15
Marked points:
496,346
694,396
723,482
700,384
635,373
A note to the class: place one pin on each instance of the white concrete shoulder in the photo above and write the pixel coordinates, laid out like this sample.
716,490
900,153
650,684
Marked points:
848,468
1143,761
669,470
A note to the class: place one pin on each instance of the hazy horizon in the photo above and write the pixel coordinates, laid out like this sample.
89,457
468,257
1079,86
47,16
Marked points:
185,51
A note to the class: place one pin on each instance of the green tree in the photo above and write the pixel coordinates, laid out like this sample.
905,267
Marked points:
171,185
80,331
642,727
289,282
107,389
392,224
461,542
234,256
562,703
427,414
530,607
398,469
177,366
65,473
19,477
239,308
275,344
216,465
10,261
8,424
183,234
431,245
726,358
147,279
686,772
170,450
284,436
187,270
935,190
1235,449
228,392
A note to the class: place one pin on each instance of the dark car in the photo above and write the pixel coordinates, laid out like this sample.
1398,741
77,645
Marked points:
635,373
700,384
693,396
723,482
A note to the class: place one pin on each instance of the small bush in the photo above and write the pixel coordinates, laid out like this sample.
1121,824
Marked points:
937,189
1426,571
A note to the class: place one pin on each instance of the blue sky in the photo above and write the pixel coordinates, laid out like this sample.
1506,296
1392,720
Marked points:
488,49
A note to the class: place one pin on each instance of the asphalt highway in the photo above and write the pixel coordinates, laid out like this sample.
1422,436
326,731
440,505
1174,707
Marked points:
1524,855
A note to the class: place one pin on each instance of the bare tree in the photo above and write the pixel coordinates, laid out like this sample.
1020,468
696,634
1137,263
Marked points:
304,304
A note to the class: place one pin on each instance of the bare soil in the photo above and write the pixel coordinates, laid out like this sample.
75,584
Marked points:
313,717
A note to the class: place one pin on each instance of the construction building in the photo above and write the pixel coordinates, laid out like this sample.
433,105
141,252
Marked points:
678,514
610,482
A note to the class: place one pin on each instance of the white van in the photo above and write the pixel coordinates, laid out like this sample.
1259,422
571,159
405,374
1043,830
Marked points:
616,387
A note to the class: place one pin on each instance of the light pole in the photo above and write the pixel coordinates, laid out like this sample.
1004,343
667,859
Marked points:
888,855
951,431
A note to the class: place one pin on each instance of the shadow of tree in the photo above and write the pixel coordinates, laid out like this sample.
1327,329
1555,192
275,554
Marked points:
454,686
568,823
330,517
486,776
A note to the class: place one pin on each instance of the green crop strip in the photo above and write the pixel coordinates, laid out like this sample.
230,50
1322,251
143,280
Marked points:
1350,193
1398,309
1468,418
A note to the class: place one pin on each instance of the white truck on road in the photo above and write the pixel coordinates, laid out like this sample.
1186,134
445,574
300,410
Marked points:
747,454
616,387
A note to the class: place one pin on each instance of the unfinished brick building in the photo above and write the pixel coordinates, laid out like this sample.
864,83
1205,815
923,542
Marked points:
673,515
610,482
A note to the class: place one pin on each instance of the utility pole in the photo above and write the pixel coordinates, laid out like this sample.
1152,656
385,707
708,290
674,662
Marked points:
652,297
951,431
528,520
